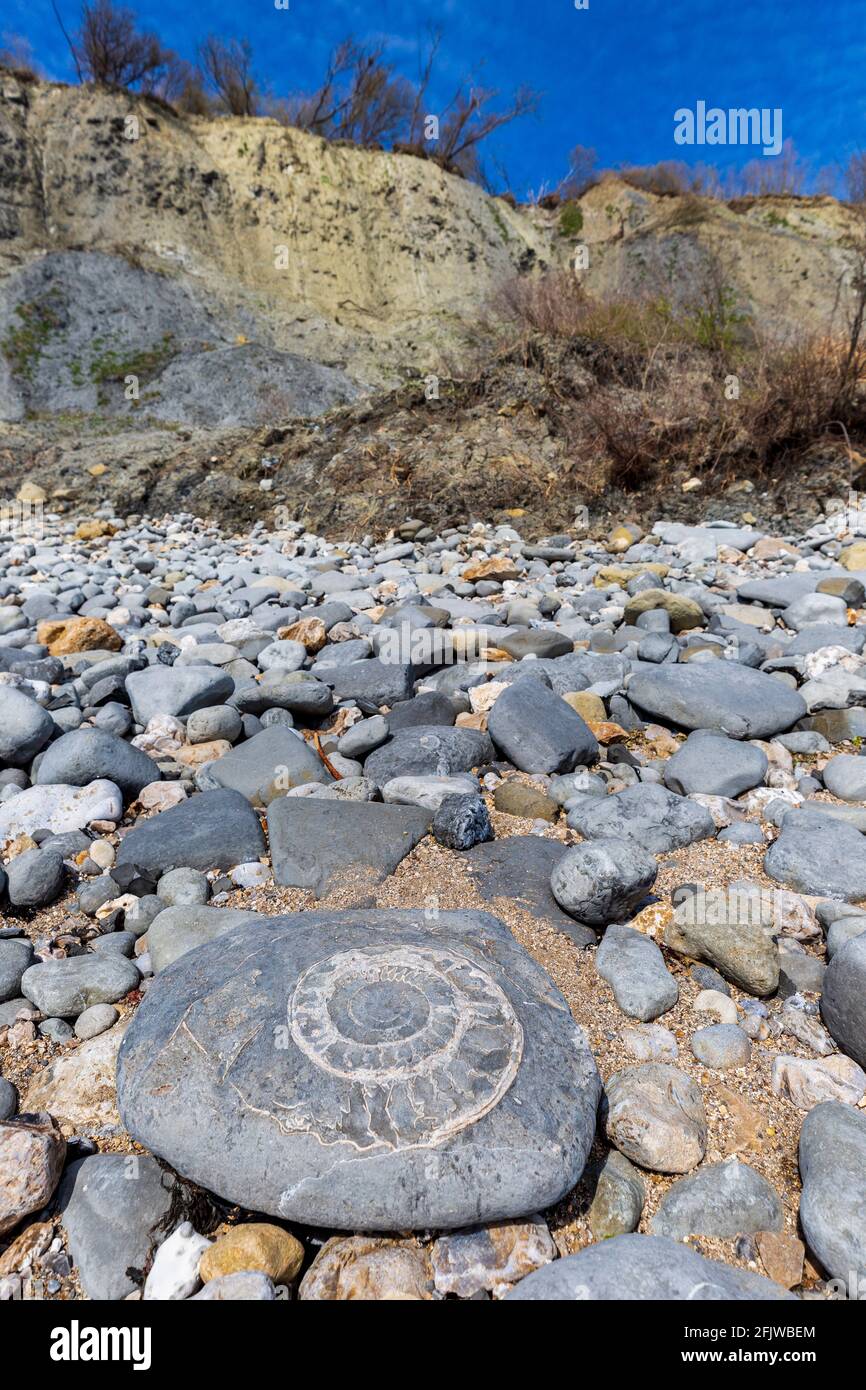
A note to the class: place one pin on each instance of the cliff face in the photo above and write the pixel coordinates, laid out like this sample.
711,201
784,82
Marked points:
213,259
787,261
228,315
235,230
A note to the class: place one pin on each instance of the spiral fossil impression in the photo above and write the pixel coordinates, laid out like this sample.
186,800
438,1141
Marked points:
416,1042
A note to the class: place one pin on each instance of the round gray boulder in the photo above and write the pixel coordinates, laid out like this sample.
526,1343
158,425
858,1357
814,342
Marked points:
720,1199
25,727
715,765
845,777
603,880
65,988
833,1171
86,755
363,1071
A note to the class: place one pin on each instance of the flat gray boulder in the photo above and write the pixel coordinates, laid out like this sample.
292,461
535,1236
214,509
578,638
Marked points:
818,854
86,755
65,988
779,590
268,765
295,691
321,844
721,1199
843,999
715,765
428,792
537,731
645,814
431,750
833,1202
176,690
211,830
382,682
365,1070
176,930
112,1206
634,968
720,695
632,1267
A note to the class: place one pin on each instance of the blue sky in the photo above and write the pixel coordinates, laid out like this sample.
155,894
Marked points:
610,76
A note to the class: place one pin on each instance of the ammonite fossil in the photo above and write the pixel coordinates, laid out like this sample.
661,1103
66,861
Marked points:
413,1042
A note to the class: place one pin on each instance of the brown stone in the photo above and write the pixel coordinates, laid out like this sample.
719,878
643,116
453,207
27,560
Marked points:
259,1246
64,637
748,1125
471,721
368,1268
492,1258
197,754
93,530
621,574
662,740
159,796
588,706
310,632
495,567
79,1087
605,731
32,1154
854,557
20,1033
782,1256
653,920
684,612
851,590
622,538
771,548
516,799
33,1241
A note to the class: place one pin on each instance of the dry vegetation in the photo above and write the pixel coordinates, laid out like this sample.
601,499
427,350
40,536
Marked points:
694,391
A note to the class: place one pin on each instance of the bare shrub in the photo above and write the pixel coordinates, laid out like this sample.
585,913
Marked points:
227,69
16,53
785,173
667,177
582,173
657,407
182,87
364,100
359,99
111,50
855,178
